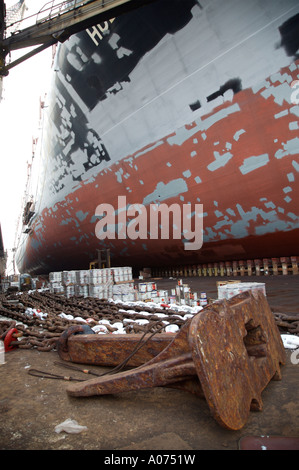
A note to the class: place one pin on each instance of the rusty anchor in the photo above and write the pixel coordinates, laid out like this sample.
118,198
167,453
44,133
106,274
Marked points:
227,353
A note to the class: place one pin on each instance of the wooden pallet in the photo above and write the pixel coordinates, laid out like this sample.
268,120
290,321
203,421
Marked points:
256,267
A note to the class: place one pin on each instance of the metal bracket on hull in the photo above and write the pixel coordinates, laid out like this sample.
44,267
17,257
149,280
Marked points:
228,352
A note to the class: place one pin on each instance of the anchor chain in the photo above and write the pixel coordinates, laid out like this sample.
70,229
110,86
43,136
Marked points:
43,333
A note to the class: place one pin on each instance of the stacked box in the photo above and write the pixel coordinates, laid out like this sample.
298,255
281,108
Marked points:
82,277
100,276
58,289
69,290
147,292
100,291
82,290
147,287
117,283
229,290
203,301
124,292
56,286
183,294
163,296
69,278
55,277
94,283
122,274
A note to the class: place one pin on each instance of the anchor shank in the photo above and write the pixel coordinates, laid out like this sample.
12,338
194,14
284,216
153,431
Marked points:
156,374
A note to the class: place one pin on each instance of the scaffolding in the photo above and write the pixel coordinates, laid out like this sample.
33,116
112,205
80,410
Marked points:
55,22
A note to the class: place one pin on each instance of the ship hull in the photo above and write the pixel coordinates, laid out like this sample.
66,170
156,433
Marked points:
161,122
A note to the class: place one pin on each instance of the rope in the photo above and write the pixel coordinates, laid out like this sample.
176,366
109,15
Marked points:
69,366
48,375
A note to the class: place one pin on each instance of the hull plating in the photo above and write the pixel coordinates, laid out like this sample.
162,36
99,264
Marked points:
189,105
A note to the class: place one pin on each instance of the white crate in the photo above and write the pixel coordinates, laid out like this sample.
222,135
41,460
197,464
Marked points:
227,291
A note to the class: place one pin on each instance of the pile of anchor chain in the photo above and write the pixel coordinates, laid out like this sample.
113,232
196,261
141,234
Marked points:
43,333
287,323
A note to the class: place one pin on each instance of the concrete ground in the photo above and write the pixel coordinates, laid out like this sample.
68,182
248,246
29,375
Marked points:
152,419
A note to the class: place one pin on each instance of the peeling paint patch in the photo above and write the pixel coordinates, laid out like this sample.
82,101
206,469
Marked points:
221,223
94,219
280,93
281,114
166,191
271,227
270,205
295,110
223,113
238,133
294,126
66,221
36,244
291,147
231,212
252,163
218,213
278,77
256,88
240,228
119,175
220,161
183,134
81,215
295,165
293,216
210,233
187,173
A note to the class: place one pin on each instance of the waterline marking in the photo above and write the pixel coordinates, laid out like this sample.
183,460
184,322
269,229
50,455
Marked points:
138,221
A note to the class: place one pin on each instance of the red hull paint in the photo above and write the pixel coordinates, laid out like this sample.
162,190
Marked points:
244,206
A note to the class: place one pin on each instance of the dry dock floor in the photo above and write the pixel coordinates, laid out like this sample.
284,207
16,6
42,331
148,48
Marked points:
152,419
